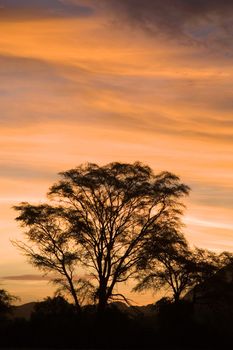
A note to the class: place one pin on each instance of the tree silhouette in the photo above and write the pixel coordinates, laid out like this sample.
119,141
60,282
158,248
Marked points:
6,300
52,307
50,246
206,264
167,260
110,212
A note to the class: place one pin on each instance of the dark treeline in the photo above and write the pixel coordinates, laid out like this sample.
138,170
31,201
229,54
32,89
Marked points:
56,323
116,223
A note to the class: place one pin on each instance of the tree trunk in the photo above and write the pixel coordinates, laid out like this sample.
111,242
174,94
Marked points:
76,302
72,291
102,301
176,297
102,306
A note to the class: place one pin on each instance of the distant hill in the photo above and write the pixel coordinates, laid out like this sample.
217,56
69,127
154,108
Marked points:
23,311
146,310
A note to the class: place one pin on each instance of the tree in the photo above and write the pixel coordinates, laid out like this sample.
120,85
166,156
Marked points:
206,265
51,248
110,212
167,260
53,307
6,300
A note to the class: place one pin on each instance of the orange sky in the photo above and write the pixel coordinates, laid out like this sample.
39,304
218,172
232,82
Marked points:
100,86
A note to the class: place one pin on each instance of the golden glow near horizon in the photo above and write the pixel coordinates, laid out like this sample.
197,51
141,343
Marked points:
88,89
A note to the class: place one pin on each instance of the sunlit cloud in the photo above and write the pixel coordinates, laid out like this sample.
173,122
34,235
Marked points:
25,278
210,224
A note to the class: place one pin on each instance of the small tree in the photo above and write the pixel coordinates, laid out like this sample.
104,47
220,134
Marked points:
57,306
6,301
168,261
111,212
50,246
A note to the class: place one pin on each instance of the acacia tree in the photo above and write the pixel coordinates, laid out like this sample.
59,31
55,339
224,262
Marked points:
169,261
50,247
165,262
112,211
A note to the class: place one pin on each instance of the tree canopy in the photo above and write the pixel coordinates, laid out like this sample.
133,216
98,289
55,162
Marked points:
170,262
6,301
100,218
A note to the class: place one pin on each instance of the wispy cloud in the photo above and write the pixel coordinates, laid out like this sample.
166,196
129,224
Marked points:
39,9
204,21
208,224
25,278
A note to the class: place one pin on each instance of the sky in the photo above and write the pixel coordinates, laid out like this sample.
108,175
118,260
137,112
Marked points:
115,80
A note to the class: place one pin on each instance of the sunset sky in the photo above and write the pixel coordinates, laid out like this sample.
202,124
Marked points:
115,80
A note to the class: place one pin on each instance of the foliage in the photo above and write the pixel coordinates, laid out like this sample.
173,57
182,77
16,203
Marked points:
6,301
50,246
100,218
53,307
168,261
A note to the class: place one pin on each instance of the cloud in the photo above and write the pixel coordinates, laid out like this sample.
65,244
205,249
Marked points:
37,9
15,171
26,278
212,194
188,20
34,90
205,223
